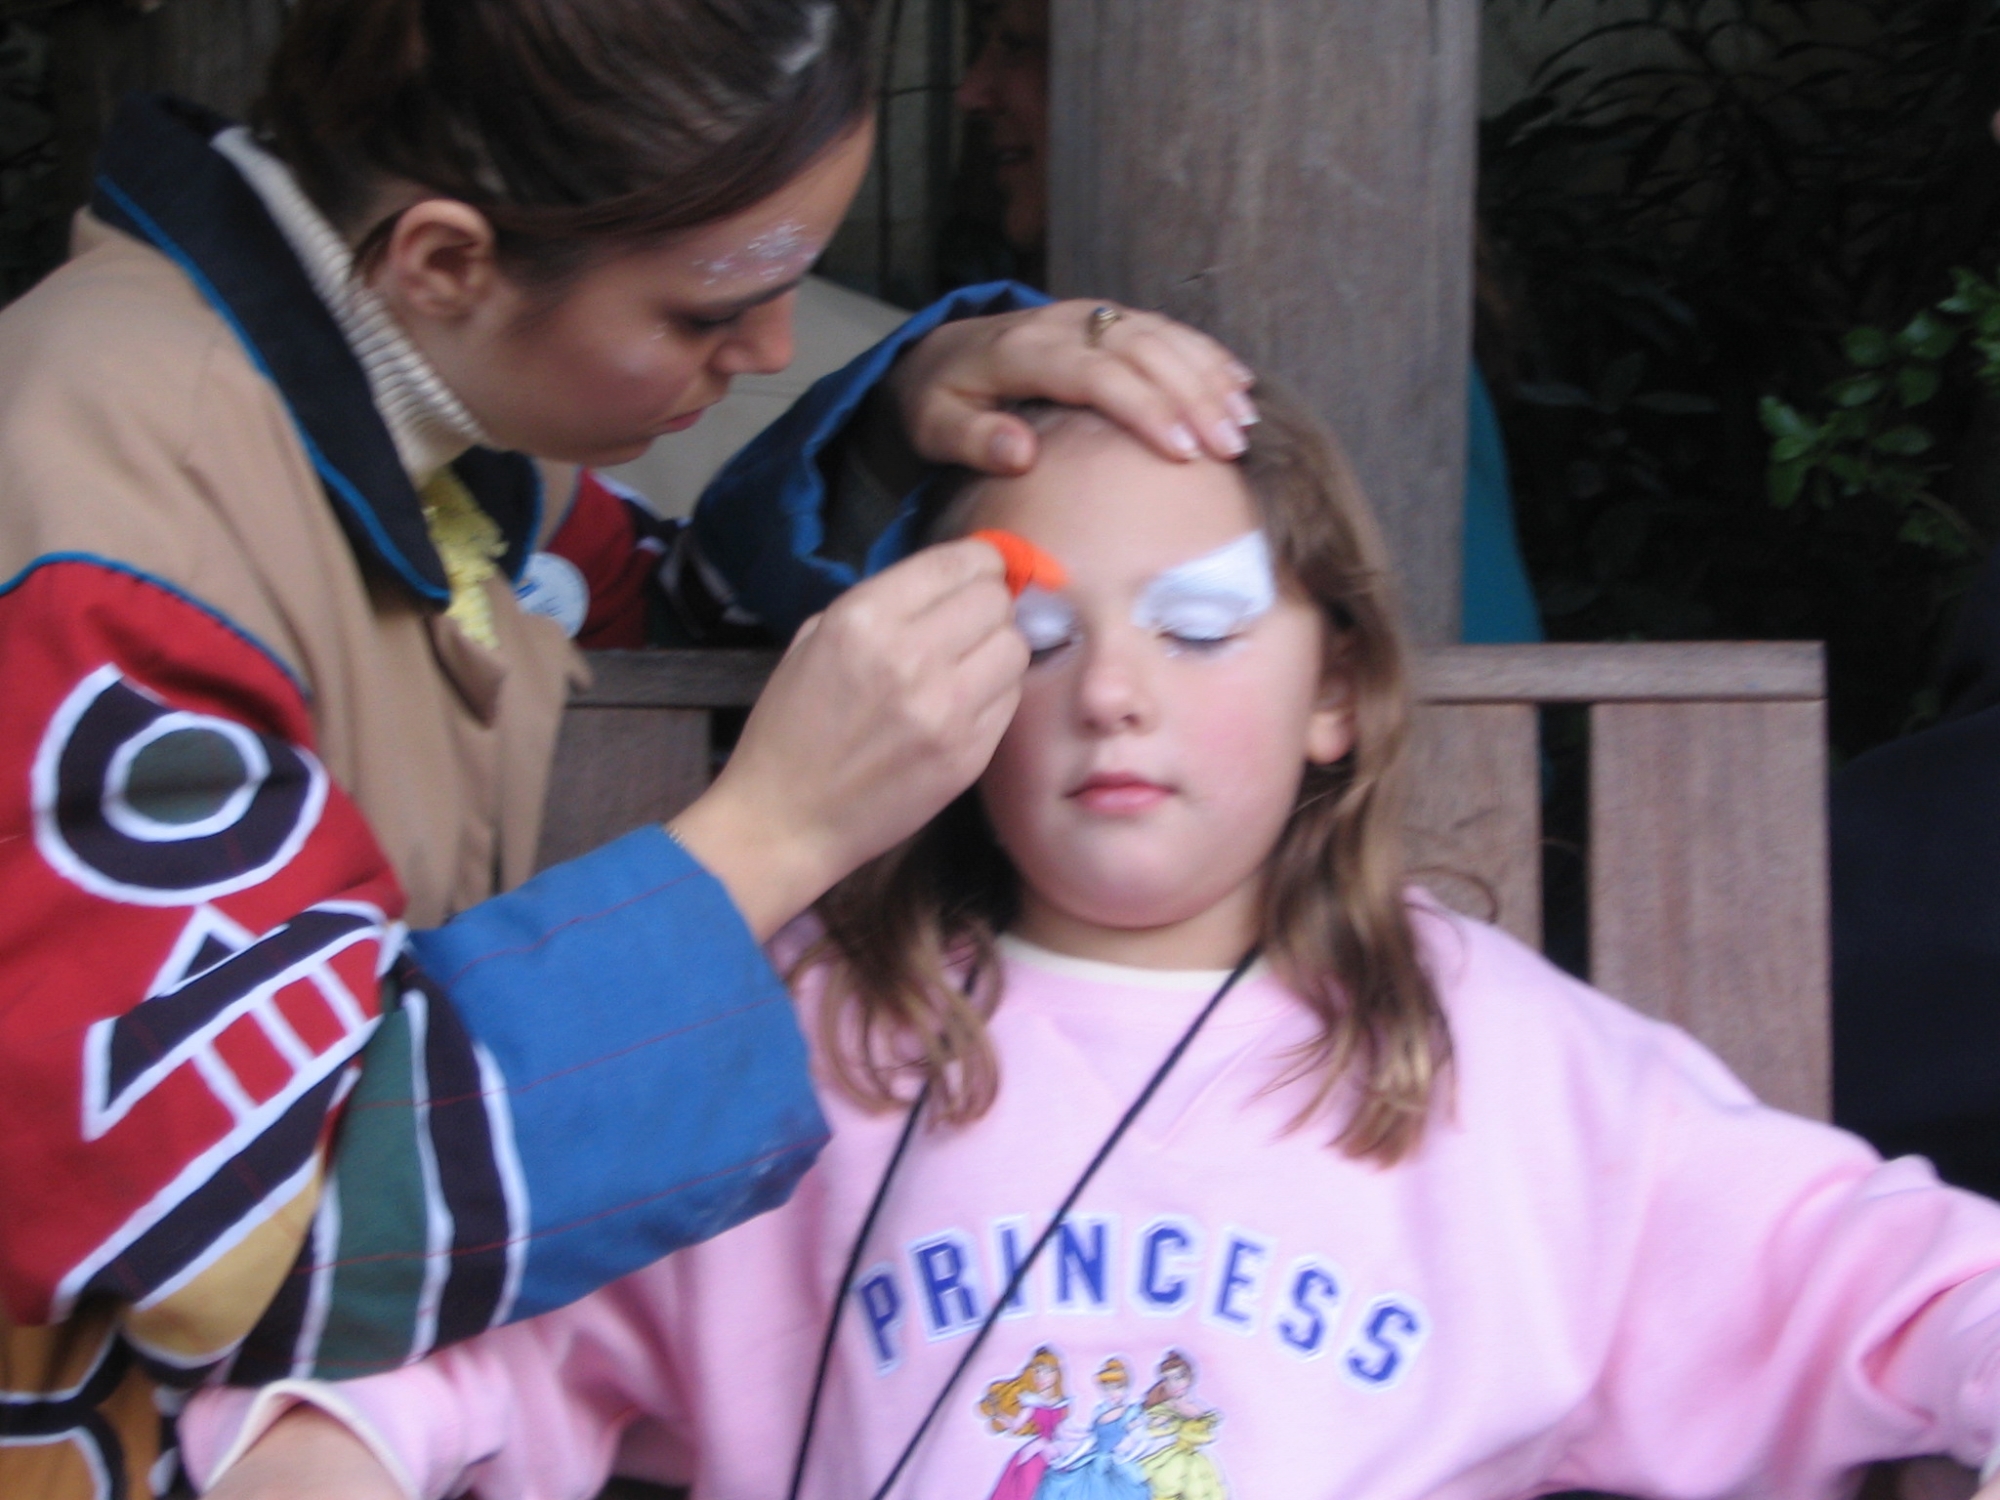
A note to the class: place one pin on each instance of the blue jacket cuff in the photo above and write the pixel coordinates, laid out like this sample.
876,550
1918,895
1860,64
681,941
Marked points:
655,1074
760,521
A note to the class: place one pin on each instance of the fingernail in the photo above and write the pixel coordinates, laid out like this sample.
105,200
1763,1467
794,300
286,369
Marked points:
1243,409
1008,450
1184,441
1229,438
1241,373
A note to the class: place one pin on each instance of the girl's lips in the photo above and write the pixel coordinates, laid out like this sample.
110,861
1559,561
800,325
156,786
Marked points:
1116,794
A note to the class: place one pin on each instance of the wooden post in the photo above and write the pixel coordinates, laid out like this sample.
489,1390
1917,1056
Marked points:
1295,176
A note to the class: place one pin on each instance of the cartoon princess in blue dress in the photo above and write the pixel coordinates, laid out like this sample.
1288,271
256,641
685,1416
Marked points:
1102,1468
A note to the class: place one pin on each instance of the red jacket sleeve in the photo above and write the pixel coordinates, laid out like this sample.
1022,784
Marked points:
618,548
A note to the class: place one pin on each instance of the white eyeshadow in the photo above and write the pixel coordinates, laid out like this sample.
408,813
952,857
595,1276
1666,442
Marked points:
1044,619
1213,596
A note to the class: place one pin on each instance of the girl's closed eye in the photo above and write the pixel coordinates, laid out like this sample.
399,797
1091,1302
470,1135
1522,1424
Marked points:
1205,605
1047,621
700,326
1198,642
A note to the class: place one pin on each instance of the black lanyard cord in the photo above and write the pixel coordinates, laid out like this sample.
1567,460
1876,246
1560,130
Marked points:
846,1284
1020,1272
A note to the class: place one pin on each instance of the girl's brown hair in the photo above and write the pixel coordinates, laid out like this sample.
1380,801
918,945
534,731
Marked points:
570,124
901,931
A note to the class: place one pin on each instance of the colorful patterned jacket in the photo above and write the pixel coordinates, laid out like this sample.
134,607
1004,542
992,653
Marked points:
286,1085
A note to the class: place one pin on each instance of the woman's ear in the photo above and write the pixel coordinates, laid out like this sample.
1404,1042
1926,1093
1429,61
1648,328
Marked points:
439,263
1330,729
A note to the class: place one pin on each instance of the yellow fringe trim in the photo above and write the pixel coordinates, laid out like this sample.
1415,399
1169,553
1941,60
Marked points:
470,545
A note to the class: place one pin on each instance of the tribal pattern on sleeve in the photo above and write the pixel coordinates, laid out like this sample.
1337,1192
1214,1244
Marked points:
193,935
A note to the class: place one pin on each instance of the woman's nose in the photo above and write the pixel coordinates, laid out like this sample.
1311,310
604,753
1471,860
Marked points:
762,343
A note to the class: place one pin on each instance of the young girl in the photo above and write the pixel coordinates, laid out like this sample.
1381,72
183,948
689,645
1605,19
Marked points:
1430,1217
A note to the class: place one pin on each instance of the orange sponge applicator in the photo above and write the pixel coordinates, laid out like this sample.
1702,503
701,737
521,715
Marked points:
1028,566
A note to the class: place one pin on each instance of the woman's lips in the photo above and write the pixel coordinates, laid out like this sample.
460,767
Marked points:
683,422
1116,794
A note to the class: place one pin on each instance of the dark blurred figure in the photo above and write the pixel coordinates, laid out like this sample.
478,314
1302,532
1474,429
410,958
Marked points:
1007,90
1916,922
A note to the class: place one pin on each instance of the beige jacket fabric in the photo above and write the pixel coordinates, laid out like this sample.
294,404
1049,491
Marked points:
134,426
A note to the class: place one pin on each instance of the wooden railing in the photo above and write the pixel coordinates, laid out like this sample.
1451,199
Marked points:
1706,886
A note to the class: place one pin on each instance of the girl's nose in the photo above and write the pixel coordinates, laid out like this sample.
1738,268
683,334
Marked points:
1114,689
761,344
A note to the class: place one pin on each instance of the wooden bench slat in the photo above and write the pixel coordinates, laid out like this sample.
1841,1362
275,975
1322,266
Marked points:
675,679
1568,673
1708,881
1475,822
1653,672
617,769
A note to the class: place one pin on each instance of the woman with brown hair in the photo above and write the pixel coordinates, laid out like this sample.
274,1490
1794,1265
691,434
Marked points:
288,1083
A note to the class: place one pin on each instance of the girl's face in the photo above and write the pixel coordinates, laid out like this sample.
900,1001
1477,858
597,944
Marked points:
1045,1377
640,344
1146,776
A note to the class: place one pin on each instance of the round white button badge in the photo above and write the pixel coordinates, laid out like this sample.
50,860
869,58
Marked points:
553,586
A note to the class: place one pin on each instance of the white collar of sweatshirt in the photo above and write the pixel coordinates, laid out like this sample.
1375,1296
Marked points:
430,425
1207,981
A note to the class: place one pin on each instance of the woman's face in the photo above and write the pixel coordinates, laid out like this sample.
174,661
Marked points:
641,344
1008,86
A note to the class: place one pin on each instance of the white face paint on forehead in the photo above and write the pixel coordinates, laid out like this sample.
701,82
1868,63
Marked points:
783,252
1214,596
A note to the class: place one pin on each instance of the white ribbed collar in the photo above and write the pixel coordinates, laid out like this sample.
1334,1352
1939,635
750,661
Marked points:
1035,956
430,425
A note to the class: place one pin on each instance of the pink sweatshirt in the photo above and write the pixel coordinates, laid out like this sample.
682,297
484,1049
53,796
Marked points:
1608,1267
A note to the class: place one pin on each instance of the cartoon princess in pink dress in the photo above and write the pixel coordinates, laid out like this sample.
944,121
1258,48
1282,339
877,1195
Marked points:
1031,1406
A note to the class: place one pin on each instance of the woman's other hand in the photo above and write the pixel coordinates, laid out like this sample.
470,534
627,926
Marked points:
307,1455
885,708
1177,389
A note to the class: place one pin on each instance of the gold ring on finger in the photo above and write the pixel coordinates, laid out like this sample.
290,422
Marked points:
1099,323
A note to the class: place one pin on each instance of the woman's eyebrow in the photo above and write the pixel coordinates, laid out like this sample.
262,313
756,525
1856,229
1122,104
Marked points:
736,306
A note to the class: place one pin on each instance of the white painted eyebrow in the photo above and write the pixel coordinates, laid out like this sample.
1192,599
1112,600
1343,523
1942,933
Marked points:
1213,595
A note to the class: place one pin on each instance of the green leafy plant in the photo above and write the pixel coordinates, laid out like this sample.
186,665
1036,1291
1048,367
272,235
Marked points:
1698,203
1874,443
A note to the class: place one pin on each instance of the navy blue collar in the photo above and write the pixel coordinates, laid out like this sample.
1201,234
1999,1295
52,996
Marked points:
159,181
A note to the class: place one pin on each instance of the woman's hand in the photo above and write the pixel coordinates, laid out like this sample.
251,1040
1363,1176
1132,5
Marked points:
307,1455
1179,390
885,708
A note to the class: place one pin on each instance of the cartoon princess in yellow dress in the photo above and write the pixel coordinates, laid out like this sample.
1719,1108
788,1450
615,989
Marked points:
1180,1468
